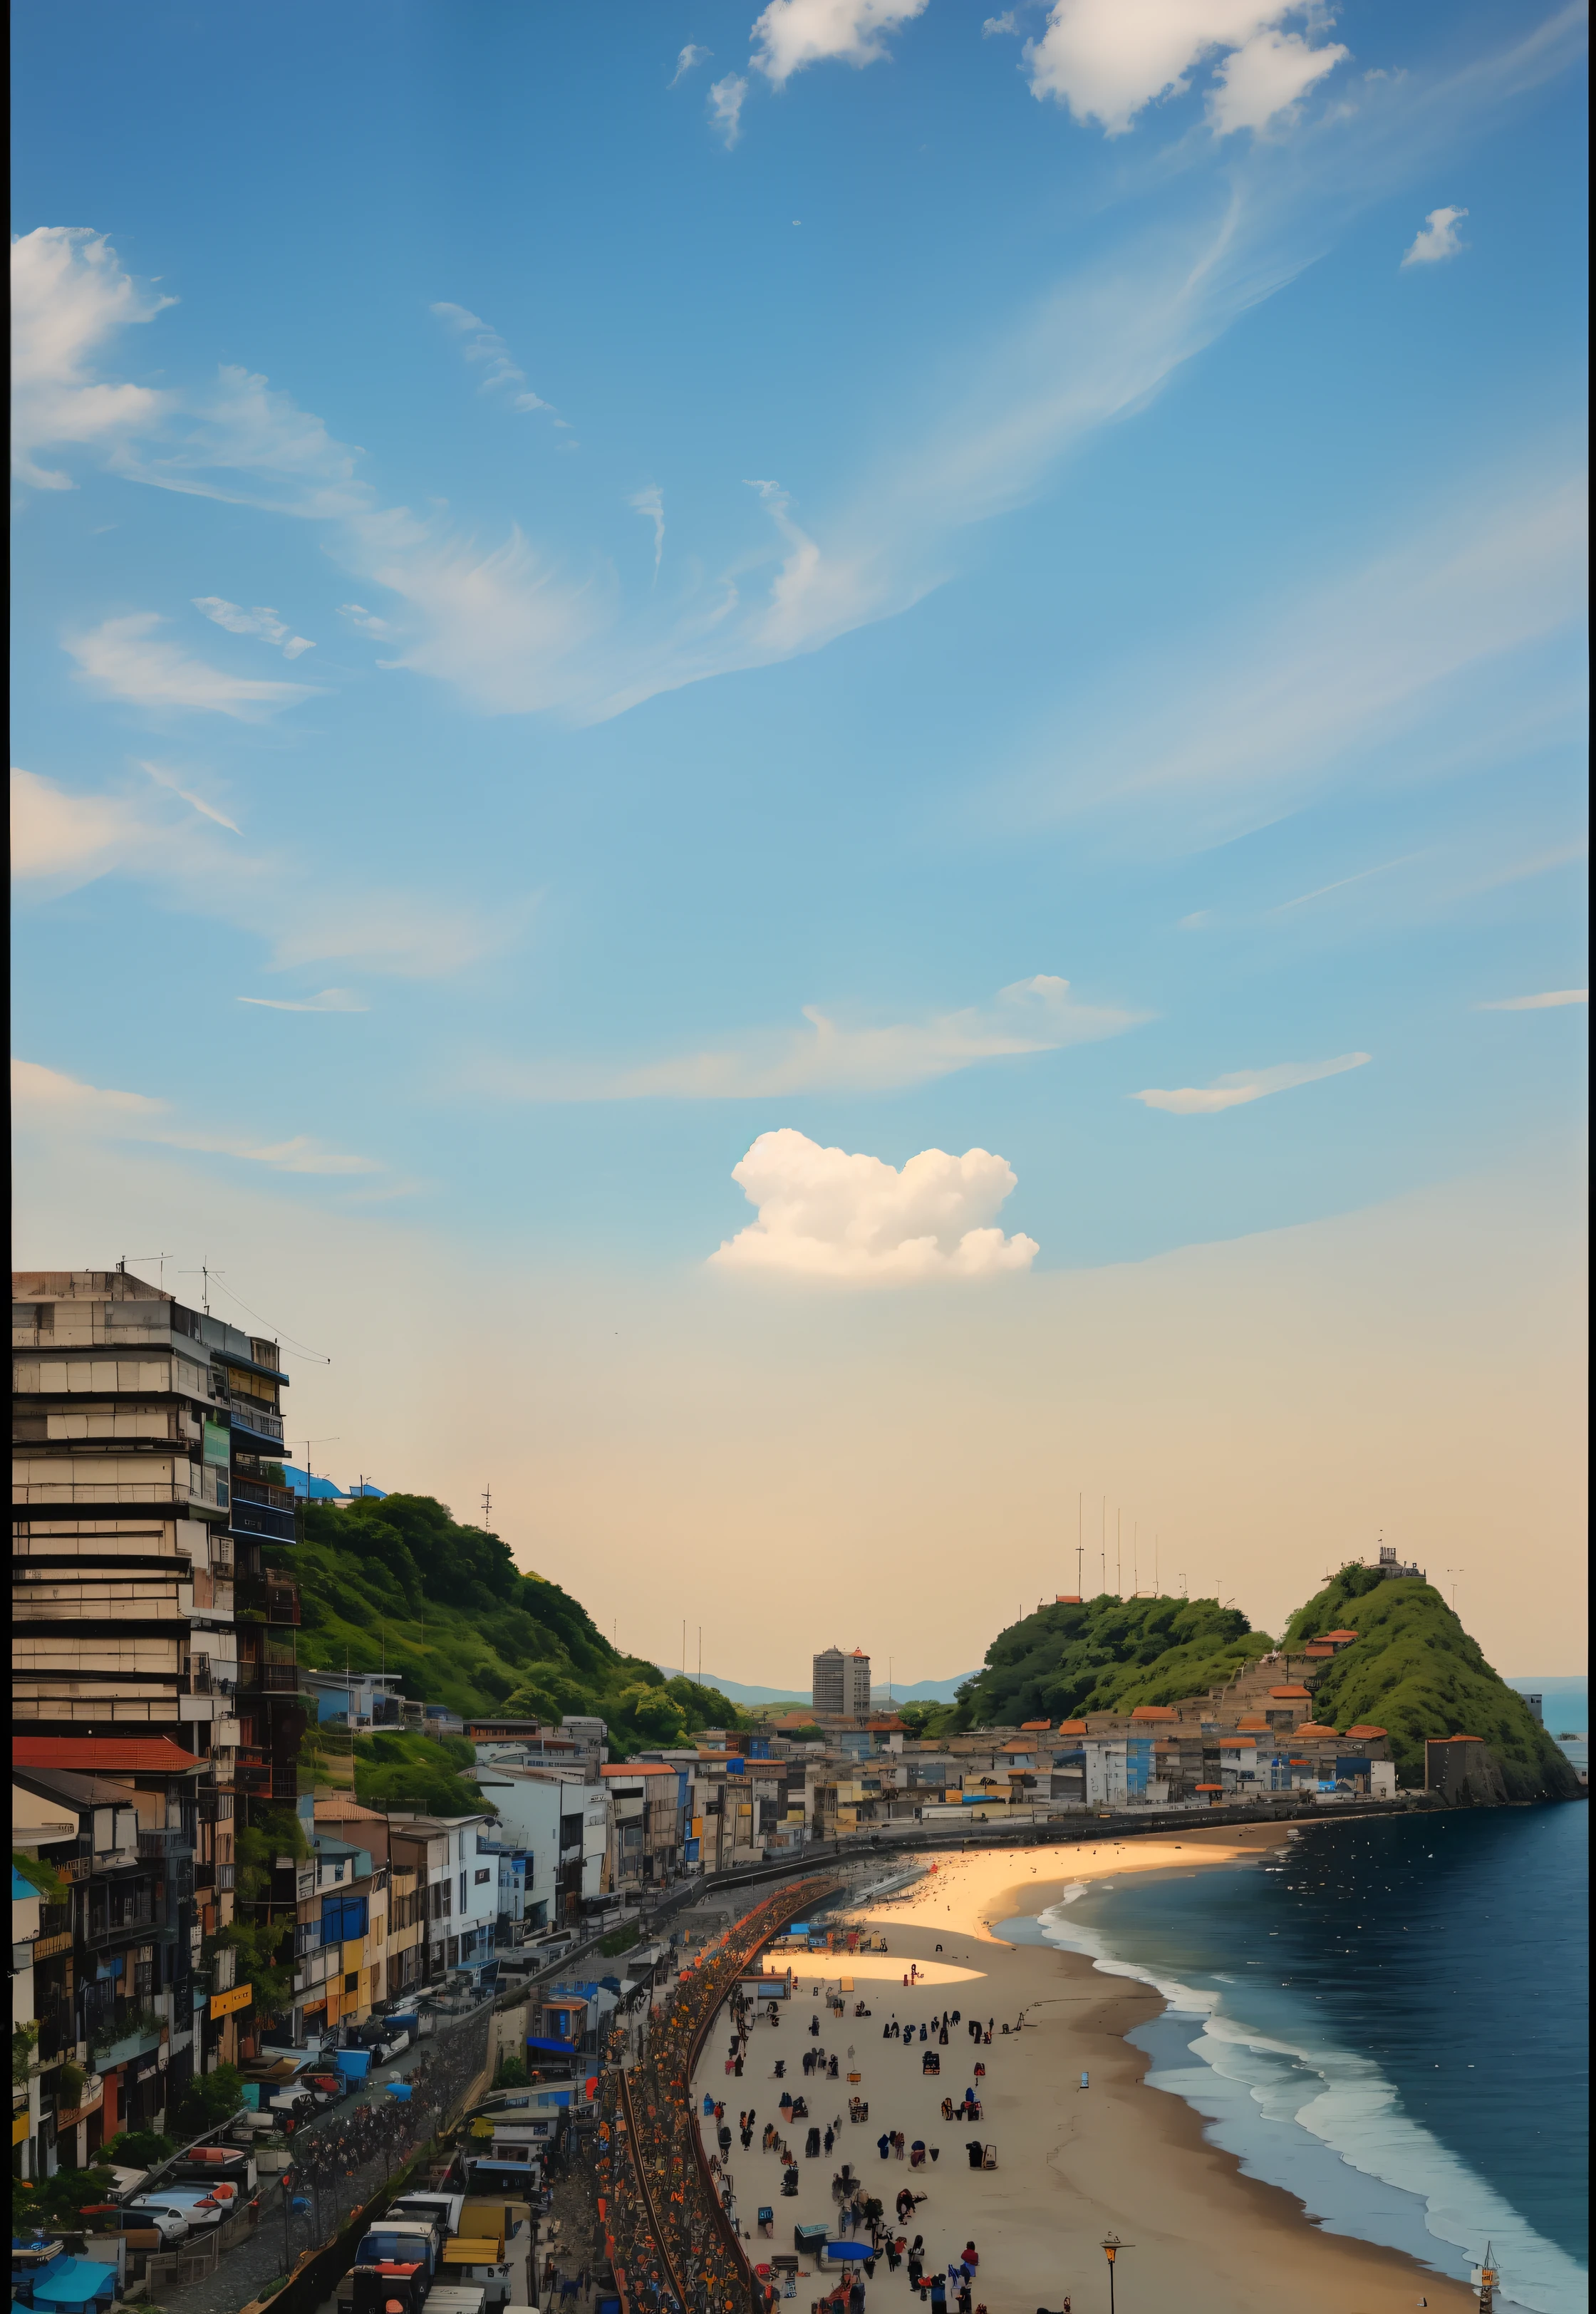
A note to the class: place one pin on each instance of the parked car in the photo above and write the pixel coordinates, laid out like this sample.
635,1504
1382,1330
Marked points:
173,2222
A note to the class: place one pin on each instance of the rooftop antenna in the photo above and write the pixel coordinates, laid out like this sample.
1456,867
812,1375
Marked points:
1454,1572
1135,1558
1155,1562
161,1258
487,1503
1079,1538
1103,1538
1119,1572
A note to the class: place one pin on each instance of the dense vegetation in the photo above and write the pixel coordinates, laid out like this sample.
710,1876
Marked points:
1415,1671
400,1583
1103,1655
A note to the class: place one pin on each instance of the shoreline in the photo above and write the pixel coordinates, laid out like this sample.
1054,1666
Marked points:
1083,2163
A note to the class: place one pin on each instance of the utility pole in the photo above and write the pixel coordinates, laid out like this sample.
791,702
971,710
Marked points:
1079,1538
487,1503
1119,1571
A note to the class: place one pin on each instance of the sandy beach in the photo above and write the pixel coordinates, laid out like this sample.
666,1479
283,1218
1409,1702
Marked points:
1073,2165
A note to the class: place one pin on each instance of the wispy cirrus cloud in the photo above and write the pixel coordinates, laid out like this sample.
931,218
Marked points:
1246,1085
687,60
561,635
1548,1000
62,840
1039,1015
46,1100
261,622
480,344
853,1220
724,105
330,1000
124,658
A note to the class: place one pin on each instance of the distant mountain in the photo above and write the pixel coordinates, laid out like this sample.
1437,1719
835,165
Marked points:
924,1691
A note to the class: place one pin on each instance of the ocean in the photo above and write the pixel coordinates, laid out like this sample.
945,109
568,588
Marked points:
1389,2018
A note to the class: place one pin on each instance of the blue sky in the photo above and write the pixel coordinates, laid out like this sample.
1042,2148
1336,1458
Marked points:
604,546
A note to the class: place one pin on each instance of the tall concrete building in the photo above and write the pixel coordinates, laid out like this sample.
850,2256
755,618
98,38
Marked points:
841,1688
149,1641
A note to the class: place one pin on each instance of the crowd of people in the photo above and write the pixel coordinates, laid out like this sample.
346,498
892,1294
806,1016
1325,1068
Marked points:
673,2247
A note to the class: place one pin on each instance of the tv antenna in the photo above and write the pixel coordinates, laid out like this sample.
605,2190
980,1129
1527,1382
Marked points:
487,1503
161,1258
1079,1538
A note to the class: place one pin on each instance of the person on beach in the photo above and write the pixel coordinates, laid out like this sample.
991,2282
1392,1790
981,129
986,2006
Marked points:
884,2145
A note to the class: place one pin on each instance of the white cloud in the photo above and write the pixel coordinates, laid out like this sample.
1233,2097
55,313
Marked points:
1246,1085
994,25
1542,1004
69,295
47,1101
1356,666
858,1221
261,622
367,623
1038,1015
650,504
60,841
1262,81
725,108
503,625
330,1000
484,345
248,445
1437,238
690,56
793,33
1107,59
121,659
169,780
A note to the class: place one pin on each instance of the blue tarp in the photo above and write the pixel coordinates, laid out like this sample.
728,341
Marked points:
562,2048
356,2062
76,2282
839,2251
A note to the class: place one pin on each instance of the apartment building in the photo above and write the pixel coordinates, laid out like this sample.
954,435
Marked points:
146,1443
840,1687
648,1825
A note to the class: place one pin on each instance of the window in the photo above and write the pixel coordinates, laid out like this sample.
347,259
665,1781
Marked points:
482,1877
352,1982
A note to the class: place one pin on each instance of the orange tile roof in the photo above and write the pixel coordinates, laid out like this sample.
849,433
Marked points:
1071,1727
1256,1721
1361,1730
1208,1788
1291,1692
1034,1726
1339,1635
1320,1648
649,1767
1456,1739
1154,1711
346,1812
1311,1728
133,1754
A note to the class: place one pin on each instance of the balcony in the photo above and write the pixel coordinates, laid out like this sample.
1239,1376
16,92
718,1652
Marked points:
173,1841
269,1596
255,1424
46,1948
103,1930
253,1780
139,2036
91,2099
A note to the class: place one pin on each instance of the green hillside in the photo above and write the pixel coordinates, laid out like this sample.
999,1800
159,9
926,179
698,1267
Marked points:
1105,1655
399,1583
1415,1671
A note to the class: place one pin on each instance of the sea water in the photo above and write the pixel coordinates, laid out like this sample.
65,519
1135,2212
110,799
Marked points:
1387,2017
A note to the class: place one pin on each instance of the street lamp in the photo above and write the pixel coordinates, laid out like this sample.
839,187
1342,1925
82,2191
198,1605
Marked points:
1112,2246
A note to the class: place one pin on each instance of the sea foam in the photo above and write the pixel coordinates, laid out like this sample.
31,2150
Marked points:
1325,2124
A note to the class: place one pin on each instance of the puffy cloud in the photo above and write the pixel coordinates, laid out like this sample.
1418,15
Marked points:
992,26
1107,59
123,660
690,55
69,839
1544,1002
50,1101
793,33
1246,1085
725,108
1437,238
1263,79
261,622
68,295
858,1221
